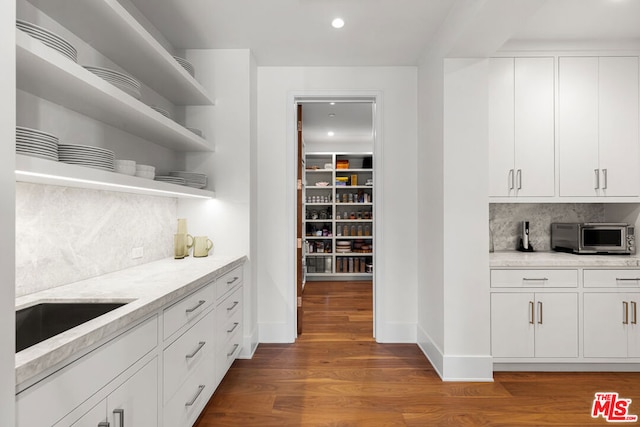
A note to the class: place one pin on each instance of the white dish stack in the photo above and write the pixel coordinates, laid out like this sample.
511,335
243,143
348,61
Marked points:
192,179
145,171
122,81
126,167
170,179
35,143
50,39
186,65
85,155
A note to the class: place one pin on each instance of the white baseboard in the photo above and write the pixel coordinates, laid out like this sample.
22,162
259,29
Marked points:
472,368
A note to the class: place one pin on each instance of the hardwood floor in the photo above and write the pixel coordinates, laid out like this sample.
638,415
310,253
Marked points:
337,375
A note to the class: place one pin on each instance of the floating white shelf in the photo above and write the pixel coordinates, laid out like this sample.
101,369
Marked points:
42,171
113,31
48,74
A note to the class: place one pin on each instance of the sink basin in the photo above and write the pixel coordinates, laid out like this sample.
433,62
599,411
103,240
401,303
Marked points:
40,322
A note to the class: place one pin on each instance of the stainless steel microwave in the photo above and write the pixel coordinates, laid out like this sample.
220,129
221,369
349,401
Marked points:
593,238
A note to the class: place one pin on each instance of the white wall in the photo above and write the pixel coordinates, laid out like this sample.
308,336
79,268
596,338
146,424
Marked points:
7,212
396,309
454,319
229,77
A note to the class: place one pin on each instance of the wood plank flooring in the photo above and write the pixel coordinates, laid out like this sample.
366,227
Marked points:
337,375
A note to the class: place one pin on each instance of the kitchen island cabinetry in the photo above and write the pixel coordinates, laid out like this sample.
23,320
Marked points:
115,33
521,127
598,126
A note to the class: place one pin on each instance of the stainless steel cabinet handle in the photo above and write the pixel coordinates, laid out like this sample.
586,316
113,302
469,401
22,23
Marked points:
193,400
119,412
235,346
200,345
597,173
235,303
232,280
104,424
510,179
604,175
625,309
634,313
195,307
519,179
235,325
531,319
536,279
540,312
628,279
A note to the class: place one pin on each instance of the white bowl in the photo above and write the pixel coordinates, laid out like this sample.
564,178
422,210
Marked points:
146,174
145,168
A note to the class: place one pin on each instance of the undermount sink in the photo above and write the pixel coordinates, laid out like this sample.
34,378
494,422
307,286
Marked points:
43,321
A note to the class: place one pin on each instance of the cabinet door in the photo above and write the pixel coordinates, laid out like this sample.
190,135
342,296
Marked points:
556,325
618,131
137,399
634,327
512,327
605,334
501,122
578,126
534,127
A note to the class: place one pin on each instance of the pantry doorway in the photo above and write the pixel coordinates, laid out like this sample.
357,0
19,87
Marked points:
337,223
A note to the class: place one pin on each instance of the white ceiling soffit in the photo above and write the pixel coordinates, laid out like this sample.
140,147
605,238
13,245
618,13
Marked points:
350,122
299,32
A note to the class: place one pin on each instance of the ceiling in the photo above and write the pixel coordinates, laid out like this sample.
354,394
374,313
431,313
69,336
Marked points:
348,121
381,32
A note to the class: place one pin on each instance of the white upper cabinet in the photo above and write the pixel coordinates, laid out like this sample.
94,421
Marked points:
598,126
521,127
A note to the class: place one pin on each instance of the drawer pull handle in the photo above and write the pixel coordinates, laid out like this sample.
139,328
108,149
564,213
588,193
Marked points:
119,412
534,279
232,280
510,179
200,345
104,424
628,279
235,325
597,174
192,401
625,309
634,312
235,304
195,307
235,346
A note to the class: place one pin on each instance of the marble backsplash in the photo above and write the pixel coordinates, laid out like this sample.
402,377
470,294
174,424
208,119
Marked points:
505,221
68,234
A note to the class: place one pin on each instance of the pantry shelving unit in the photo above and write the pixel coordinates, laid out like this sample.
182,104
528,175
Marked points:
115,33
339,216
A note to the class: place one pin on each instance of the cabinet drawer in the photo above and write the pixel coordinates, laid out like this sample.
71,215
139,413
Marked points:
44,403
187,309
534,278
185,406
611,278
228,352
194,347
227,282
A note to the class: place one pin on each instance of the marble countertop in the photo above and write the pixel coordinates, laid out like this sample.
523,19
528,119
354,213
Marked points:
560,259
146,288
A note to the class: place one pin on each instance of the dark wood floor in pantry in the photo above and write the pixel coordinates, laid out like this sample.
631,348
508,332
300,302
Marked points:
337,375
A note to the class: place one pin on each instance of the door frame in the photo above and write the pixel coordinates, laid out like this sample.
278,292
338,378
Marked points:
293,99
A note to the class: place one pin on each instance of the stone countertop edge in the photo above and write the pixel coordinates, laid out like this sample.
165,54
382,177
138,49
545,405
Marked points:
146,288
560,259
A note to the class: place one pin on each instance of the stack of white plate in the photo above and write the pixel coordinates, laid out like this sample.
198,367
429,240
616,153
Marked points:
162,111
85,155
120,80
50,39
343,247
194,180
186,65
171,179
33,142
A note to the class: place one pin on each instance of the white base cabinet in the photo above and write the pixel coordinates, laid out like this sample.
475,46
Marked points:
611,324
534,324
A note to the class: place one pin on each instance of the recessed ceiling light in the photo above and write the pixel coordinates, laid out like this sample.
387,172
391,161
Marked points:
332,115
330,133
332,103
337,23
